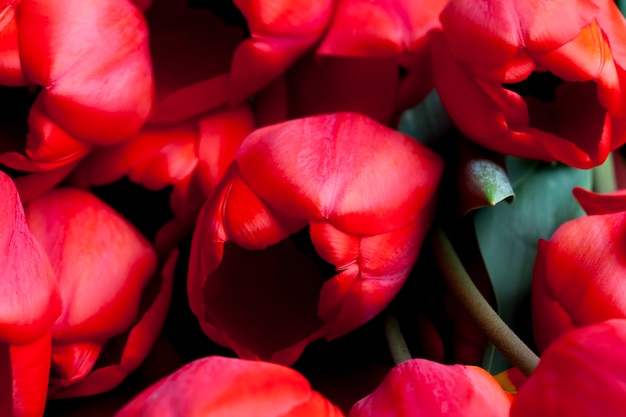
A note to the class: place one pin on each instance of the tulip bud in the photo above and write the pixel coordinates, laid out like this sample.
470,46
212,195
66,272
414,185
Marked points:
312,233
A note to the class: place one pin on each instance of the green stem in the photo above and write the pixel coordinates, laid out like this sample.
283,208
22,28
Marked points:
462,286
604,176
397,345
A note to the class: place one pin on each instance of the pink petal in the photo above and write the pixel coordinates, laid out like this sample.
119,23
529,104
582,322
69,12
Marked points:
101,261
581,280
28,289
491,33
580,374
93,61
136,343
24,378
157,157
217,386
421,388
328,180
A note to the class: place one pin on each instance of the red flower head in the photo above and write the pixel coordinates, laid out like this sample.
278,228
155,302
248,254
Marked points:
217,386
192,136
336,56
364,192
491,53
419,387
578,278
30,304
84,66
113,307
581,374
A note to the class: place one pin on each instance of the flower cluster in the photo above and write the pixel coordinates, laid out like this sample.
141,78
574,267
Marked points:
305,177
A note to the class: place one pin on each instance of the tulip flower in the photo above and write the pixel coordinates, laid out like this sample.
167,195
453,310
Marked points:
113,302
419,387
487,64
192,135
578,277
312,233
30,304
581,374
333,56
81,74
218,386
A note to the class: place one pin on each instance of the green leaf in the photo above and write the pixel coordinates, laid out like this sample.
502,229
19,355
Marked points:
508,234
427,120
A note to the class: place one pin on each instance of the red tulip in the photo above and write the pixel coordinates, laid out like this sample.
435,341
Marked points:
192,136
30,304
578,277
373,59
86,70
483,61
364,192
217,386
362,48
113,303
581,374
419,387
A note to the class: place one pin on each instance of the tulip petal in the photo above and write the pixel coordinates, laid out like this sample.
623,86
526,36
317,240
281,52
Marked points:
490,33
93,61
580,374
328,180
379,29
281,31
102,263
578,278
28,289
594,203
217,386
135,344
221,134
421,388
24,378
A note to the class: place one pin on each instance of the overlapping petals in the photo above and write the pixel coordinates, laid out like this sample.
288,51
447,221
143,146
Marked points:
488,63
578,277
103,267
419,387
89,73
30,304
337,56
366,232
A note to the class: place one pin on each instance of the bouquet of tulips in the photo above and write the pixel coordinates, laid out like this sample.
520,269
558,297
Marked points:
314,208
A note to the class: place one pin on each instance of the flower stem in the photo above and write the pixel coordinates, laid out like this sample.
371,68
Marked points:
604,176
464,289
397,345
